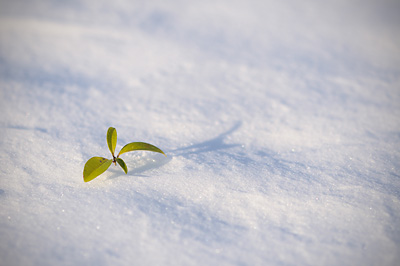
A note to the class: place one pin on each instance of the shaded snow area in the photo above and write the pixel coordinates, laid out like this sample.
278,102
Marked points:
280,121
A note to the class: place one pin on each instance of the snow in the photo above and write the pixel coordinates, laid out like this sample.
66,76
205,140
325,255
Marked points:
280,121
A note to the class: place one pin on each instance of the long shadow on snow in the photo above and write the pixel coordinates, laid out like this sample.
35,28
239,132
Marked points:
212,145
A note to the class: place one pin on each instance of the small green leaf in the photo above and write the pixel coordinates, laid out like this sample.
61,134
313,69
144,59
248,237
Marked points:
112,139
94,167
135,146
122,164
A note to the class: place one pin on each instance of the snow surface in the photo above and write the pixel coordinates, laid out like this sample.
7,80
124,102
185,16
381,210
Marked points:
280,119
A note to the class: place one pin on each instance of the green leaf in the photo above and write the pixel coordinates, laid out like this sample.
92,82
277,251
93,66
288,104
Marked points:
122,164
135,146
112,139
94,167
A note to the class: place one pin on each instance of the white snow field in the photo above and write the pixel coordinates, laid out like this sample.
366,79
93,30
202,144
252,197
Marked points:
280,121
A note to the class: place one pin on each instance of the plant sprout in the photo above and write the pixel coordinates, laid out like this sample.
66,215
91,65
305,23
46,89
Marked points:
95,166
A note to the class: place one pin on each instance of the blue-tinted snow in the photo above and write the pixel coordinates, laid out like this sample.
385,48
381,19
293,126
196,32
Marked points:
280,119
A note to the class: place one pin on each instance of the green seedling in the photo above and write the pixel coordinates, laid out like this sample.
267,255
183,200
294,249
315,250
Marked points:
95,166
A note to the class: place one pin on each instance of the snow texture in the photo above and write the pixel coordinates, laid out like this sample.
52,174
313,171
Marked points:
280,121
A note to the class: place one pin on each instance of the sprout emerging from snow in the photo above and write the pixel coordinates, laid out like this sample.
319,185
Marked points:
95,166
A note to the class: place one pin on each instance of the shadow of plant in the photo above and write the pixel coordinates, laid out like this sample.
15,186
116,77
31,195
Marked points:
214,144
156,161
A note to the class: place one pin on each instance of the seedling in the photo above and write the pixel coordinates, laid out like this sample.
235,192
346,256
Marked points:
95,166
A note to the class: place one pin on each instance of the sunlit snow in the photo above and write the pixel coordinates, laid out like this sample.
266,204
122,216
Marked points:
280,121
